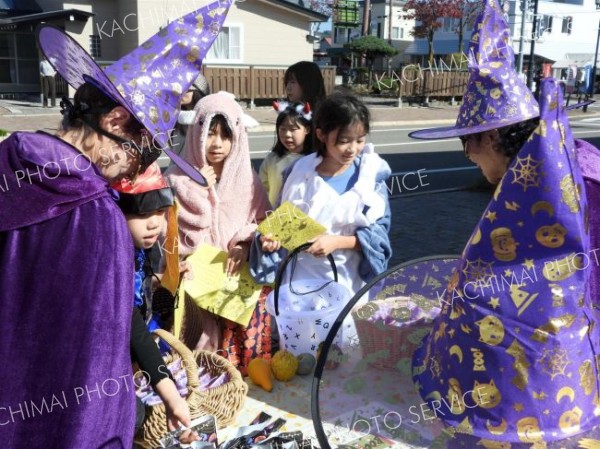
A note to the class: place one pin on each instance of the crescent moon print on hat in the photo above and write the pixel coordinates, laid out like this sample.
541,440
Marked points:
149,81
518,309
495,96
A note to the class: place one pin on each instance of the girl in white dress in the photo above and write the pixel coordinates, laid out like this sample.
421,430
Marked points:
342,186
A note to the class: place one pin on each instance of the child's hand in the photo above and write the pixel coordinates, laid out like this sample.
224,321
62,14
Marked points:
209,174
237,256
177,411
323,245
268,244
176,408
186,270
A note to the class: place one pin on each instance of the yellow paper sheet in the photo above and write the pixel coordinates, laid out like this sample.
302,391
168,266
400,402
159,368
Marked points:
290,226
233,298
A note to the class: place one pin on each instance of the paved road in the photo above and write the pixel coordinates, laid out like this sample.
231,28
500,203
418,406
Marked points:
426,224
434,223
421,165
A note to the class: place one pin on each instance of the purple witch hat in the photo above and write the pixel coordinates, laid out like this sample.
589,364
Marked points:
150,81
512,355
495,96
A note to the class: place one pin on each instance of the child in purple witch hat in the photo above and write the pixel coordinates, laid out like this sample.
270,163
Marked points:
516,335
65,250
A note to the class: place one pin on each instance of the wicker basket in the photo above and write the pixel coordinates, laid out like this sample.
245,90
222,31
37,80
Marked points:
223,402
385,345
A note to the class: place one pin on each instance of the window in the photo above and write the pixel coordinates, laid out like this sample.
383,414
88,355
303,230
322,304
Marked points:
567,25
396,33
374,29
401,33
449,24
18,59
95,49
227,46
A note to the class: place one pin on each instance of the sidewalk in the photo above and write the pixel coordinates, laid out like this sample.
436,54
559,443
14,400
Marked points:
24,116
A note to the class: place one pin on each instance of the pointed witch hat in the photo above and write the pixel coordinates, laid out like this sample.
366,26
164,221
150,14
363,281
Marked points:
513,352
149,81
495,95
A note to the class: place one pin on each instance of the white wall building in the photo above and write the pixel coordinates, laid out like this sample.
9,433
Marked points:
400,37
567,32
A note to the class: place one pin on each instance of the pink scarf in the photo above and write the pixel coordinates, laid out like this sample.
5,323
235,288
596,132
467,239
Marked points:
228,212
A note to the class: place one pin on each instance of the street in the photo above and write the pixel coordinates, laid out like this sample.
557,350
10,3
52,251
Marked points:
420,166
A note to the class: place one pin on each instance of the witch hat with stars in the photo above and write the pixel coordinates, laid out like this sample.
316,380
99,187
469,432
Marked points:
513,352
149,81
495,96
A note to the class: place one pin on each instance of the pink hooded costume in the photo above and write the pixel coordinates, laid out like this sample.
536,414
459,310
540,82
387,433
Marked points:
221,216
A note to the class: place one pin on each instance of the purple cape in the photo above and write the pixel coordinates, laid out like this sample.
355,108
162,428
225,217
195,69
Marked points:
65,287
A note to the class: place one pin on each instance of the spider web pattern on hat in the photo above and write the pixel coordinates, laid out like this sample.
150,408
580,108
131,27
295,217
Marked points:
516,330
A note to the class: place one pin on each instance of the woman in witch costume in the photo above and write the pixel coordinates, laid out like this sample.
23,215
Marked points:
65,250
517,324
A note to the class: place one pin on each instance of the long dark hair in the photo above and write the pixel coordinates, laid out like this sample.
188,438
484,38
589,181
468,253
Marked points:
309,77
296,118
339,110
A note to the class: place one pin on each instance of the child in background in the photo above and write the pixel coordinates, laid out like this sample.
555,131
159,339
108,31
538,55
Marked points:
144,204
342,186
293,134
224,215
199,89
304,83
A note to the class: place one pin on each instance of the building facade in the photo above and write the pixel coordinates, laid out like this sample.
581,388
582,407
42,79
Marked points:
566,34
256,32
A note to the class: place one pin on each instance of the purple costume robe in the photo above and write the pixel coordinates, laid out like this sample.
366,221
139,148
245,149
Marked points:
513,354
588,157
65,293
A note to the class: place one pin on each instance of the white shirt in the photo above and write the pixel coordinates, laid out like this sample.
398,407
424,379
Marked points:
46,68
340,214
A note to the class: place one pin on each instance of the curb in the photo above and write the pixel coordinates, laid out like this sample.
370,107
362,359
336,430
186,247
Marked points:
421,123
375,125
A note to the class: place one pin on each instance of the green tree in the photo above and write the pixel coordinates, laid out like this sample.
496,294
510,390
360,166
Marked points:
371,47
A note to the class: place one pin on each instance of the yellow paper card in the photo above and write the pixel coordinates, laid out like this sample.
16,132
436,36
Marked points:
233,298
290,226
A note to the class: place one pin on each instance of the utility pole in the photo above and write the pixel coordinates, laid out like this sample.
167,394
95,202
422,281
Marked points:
389,58
366,17
390,23
524,8
532,51
590,93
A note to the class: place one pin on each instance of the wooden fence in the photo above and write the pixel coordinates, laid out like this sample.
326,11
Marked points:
256,82
422,83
